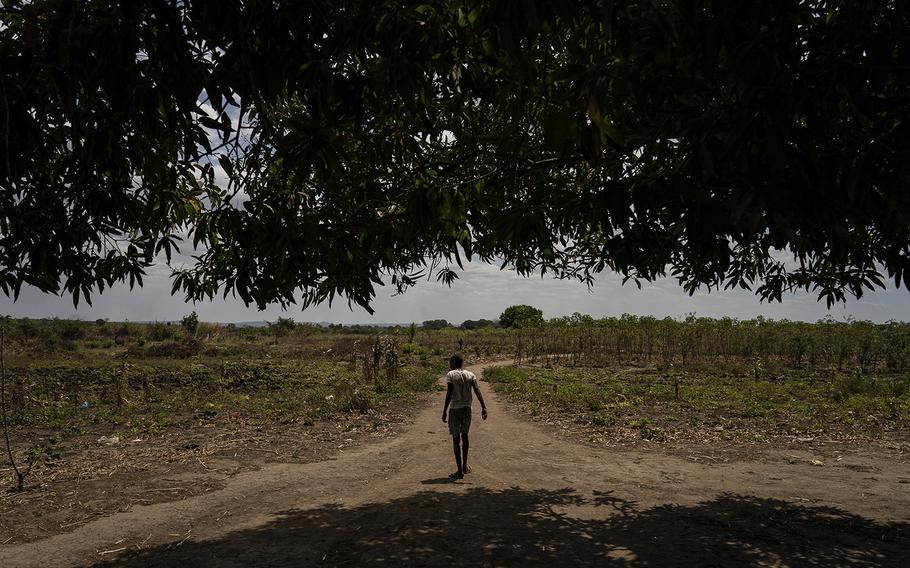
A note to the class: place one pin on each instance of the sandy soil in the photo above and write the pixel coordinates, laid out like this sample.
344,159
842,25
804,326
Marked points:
96,479
534,498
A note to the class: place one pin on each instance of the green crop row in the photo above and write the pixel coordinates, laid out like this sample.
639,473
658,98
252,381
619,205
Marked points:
793,404
151,394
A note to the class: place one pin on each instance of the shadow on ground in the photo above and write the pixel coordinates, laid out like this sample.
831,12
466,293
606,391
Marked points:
516,527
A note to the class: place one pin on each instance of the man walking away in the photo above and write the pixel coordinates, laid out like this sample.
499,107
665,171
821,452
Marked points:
459,386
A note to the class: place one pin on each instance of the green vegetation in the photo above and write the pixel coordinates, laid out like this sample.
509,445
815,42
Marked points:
652,376
762,345
152,394
521,316
477,324
390,141
725,399
190,323
69,377
827,345
744,377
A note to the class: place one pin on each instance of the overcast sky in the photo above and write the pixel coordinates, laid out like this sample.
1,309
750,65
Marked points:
483,291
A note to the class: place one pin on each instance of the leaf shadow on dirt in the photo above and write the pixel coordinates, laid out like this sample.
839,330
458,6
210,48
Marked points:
481,527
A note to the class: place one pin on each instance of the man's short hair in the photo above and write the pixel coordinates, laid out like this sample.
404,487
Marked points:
455,361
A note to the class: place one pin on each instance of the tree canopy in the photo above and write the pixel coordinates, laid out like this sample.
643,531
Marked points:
521,315
478,324
435,324
320,149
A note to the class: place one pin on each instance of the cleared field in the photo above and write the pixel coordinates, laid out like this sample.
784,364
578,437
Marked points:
123,415
150,395
712,403
120,415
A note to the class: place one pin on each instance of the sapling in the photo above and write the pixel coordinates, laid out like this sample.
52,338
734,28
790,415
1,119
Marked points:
33,454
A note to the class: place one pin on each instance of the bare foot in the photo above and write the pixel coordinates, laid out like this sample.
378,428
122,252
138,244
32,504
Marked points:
467,469
456,475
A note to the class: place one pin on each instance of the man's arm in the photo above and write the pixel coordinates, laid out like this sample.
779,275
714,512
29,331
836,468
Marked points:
445,407
483,405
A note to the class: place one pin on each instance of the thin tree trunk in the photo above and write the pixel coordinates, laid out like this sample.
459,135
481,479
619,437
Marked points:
20,477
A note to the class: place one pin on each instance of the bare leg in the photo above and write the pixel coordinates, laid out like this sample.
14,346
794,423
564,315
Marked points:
464,453
456,443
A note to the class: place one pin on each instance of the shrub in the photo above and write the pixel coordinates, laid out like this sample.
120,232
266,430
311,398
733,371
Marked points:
26,328
846,386
70,330
652,433
603,418
161,332
190,322
166,349
412,349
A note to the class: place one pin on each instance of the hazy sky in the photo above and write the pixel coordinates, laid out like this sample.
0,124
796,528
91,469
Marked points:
483,291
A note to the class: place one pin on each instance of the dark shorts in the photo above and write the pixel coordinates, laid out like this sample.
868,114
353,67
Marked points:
459,420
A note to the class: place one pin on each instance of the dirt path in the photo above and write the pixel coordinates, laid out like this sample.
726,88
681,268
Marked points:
533,499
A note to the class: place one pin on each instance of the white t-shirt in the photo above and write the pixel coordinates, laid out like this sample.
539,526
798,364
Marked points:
461,382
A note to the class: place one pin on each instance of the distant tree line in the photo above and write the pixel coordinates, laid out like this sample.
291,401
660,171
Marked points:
478,324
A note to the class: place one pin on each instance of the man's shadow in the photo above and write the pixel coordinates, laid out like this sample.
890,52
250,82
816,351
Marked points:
444,481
